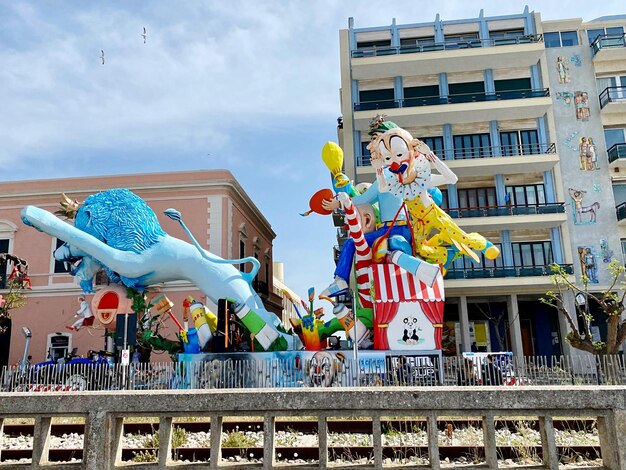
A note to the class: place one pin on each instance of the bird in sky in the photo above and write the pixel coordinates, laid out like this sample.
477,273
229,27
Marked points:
102,56
144,35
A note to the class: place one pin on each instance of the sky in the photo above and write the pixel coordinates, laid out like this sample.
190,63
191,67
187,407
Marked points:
251,86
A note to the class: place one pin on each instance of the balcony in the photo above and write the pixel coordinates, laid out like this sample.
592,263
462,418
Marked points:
338,218
607,51
621,214
617,156
506,271
613,105
490,161
501,280
459,56
528,216
456,109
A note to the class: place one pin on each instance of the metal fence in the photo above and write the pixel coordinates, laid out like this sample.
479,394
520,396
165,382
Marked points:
252,373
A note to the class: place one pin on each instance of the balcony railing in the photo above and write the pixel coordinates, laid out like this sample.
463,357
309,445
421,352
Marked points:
612,94
464,153
446,46
608,41
451,99
506,271
483,152
616,152
621,211
495,211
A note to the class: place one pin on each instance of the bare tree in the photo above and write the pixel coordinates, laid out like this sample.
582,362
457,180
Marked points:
499,322
13,298
610,301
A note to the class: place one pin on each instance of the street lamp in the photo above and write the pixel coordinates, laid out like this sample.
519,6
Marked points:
28,335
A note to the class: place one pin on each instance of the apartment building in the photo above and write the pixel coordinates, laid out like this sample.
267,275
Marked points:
215,207
531,116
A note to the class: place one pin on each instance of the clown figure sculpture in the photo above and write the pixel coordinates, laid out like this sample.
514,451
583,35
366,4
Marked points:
409,163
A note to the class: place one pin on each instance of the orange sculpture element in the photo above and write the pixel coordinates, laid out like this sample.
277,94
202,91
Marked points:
107,303
315,203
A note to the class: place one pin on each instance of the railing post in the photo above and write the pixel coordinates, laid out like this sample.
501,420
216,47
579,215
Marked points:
489,440
433,442
113,453
269,431
41,441
322,435
377,442
216,441
165,440
96,440
1,434
611,431
549,453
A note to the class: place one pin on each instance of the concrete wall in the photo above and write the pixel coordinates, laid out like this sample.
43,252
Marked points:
105,412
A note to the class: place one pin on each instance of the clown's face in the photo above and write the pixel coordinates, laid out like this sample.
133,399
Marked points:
396,150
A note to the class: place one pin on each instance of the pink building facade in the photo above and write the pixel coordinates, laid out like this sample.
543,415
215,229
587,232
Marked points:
215,207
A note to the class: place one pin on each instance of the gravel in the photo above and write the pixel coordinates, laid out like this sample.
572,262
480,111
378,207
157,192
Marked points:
467,436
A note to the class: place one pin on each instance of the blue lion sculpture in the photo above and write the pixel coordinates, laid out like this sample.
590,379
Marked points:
116,230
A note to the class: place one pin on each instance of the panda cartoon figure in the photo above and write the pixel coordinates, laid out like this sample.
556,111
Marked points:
410,331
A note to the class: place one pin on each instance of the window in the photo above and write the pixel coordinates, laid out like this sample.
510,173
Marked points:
513,84
424,41
421,91
457,41
435,144
592,34
373,44
421,95
377,98
519,143
484,262
242,253
59,266
466,92
364,158
532,253
569,38
532,194
472,146
552,39
504,34
4,248
614,136
101,278
623,249
560,38
477,197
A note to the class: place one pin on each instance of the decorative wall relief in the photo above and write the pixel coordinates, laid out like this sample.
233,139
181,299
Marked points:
562,69
588,265
587,154
565,96
597,188
607,254
581,101
569,141
576,60
577,196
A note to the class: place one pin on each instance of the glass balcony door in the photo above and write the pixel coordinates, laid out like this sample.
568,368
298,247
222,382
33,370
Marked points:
519,143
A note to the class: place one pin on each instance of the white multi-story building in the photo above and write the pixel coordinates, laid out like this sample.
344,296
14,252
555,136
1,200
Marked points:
531,116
